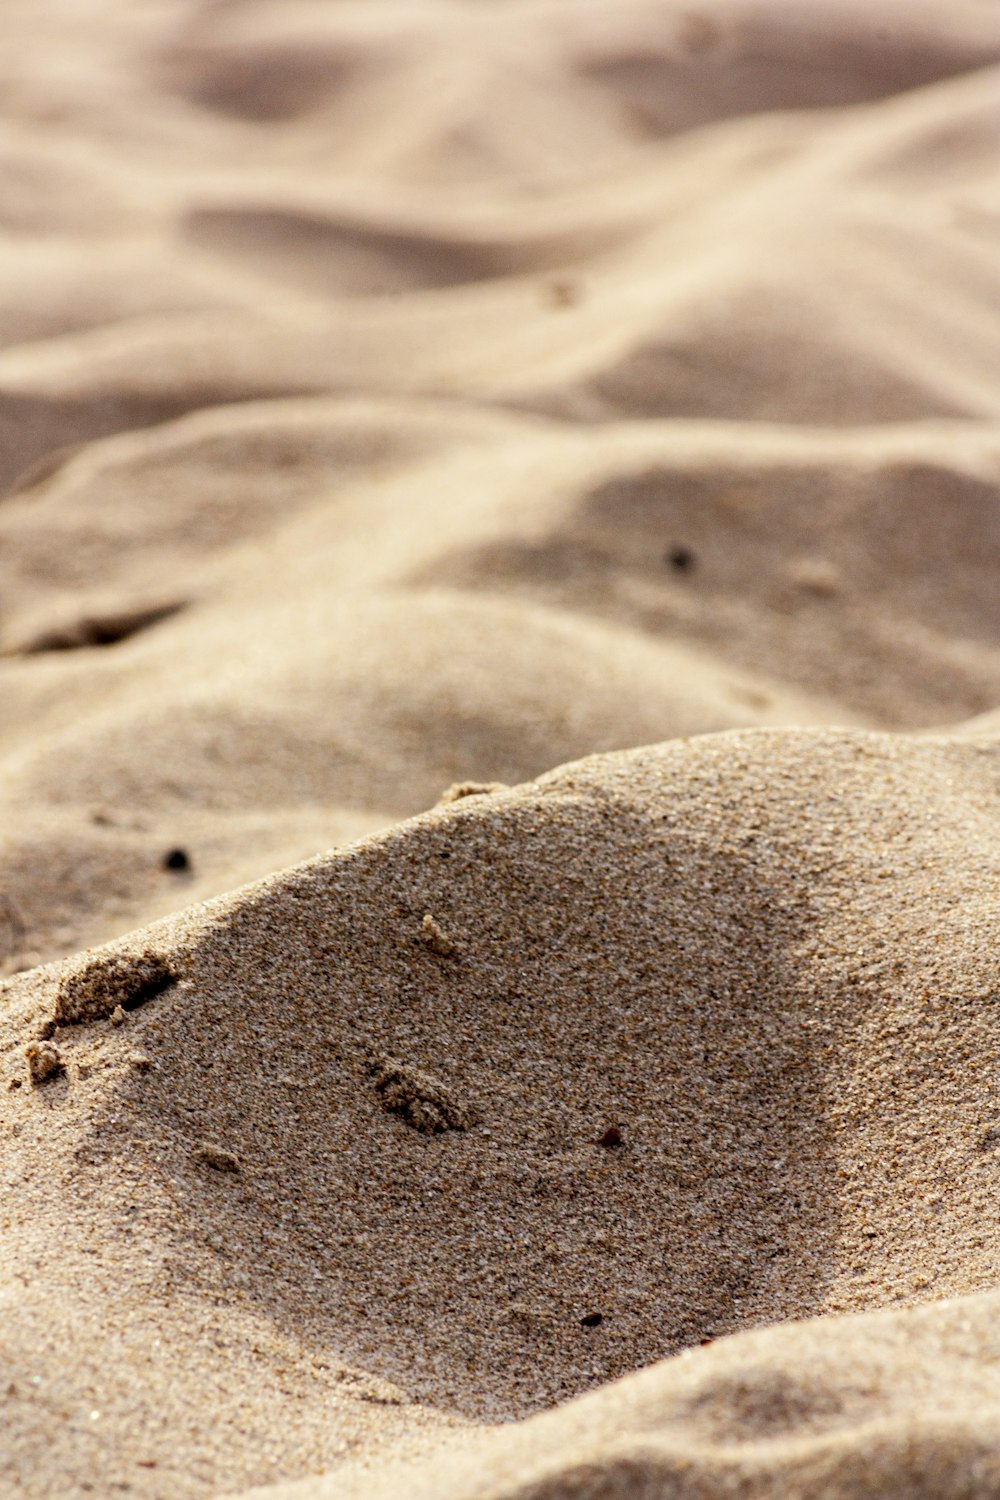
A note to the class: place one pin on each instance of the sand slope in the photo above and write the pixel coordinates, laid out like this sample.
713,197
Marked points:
364,1107
891,1404
403,397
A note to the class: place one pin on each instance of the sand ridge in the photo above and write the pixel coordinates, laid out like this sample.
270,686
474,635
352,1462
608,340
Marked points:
408,557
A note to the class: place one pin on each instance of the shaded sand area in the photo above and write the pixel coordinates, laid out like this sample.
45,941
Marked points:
397,402
534,1090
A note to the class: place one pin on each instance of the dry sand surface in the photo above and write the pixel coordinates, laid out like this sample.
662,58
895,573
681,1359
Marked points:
400,399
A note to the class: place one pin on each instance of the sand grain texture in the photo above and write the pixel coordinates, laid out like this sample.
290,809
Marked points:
407,411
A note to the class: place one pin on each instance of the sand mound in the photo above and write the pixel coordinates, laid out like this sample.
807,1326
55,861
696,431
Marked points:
901,1405
540,1088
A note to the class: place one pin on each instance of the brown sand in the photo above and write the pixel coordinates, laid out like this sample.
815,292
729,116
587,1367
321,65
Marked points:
396,402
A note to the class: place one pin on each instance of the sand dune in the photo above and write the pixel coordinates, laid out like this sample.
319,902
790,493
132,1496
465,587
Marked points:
398,402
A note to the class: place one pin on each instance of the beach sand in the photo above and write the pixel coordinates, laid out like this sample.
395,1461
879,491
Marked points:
499,750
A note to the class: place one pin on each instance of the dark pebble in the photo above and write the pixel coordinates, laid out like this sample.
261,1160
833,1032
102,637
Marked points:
682,559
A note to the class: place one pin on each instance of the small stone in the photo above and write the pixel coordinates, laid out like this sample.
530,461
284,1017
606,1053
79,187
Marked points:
681,559
44,1062
177,859
592,1320
611,1138
117,1016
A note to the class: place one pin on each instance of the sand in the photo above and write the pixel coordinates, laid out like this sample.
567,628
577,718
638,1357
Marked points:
499,658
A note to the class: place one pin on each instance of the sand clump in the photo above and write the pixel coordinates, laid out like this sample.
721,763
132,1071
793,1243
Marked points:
110,985
422,1101
216,1157
44,1062
435,937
